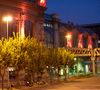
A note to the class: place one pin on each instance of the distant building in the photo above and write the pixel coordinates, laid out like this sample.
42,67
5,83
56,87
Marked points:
95,28
68,35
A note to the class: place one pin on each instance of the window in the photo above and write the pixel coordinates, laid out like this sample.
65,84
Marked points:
28,28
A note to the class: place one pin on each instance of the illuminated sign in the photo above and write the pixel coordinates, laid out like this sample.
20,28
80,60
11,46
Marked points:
42,3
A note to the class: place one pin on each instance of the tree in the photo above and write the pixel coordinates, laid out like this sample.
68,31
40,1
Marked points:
19,55
58,60
56,57
68,62
30,55
5,58
37,53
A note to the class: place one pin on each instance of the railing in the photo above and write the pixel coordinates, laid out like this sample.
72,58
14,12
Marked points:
97,51
84,51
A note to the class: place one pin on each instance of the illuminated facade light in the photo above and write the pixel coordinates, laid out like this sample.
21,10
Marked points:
22,31
69,40
80,42
22,26
69,36
42,3
89,42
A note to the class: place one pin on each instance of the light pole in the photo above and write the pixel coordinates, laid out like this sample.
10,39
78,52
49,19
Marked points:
7,19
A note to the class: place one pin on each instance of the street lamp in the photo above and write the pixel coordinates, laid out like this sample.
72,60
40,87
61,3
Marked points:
7,19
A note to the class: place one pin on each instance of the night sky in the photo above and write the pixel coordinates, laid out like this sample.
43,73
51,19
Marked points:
76,11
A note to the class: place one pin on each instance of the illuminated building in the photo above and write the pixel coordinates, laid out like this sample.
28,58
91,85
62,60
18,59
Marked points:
28,18
68,35
59,34
95,27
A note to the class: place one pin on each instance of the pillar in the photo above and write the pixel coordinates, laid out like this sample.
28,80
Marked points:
93,65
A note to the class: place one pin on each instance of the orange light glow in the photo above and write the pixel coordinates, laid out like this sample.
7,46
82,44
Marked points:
22,27
22,30
69,39
69,36
80,42
42,3
7,18
90,42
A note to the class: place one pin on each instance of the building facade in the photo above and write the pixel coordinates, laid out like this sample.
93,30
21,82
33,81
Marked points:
28,18
68,35
95,28
59,34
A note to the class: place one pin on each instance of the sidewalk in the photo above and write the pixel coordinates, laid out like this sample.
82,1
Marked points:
56,84
47,85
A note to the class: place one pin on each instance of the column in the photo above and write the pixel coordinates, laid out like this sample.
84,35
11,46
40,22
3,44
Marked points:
93,65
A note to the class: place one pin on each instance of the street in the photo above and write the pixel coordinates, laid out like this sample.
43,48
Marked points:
79,84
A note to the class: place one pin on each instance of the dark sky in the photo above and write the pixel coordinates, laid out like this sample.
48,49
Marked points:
76,11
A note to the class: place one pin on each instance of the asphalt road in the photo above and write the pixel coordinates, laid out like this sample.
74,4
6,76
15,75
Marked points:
79,84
